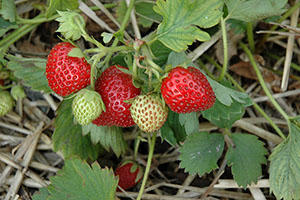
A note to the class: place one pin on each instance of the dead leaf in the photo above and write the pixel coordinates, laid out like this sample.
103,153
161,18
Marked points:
246,70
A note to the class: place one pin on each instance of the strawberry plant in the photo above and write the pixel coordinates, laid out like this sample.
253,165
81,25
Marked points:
138,83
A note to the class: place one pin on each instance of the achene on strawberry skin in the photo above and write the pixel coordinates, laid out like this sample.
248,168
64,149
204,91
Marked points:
148,112
187,90
66,74
115,87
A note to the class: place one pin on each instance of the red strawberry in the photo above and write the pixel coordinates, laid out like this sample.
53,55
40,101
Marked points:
66,74
187,90
115,86
129,174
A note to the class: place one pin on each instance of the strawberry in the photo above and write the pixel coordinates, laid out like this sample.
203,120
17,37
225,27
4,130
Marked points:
187,90
148,112
6,103
115,87
87,106
66,74
129,174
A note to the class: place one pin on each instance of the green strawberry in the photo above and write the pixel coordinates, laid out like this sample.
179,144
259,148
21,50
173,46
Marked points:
6,103
148,112
87,106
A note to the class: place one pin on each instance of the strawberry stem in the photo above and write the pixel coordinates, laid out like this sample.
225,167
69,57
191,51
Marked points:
225,49
250,36
151,143
122,28
263,84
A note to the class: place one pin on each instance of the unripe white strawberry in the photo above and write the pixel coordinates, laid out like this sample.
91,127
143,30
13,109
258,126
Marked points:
87,106
148,112
6,103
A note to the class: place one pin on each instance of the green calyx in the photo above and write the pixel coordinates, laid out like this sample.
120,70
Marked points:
17,92
87,106
6,103
71,24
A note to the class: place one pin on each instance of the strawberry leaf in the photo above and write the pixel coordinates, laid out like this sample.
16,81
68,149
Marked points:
177,59
77,180
248,154
68,137
227,95
190,122
6,26
55,5
224,116
285,166
200,152
42,194
109,137
161,52
181,18
31,71
8,10
71,24
172,131
253,10
146,14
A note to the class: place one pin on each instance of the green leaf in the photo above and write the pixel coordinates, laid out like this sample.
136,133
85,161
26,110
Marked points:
42,194
190,122
246,158
6,26
226,95
181,18
108,137
285,166
146,14
76,52
254,10
224,116
55,5
172,131
177,59
200,152
71,24
8,10
68,137
31,71
107,37
161,52
238,26
77,181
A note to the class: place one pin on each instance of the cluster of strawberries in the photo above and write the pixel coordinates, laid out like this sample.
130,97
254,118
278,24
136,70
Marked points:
184,90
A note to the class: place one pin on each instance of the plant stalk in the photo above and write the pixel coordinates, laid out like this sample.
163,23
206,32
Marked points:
262,82
250,36
225,49
151,142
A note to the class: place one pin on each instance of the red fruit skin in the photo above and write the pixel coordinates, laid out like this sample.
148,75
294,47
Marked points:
1,82
127,179
115,86
66,74
187,90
